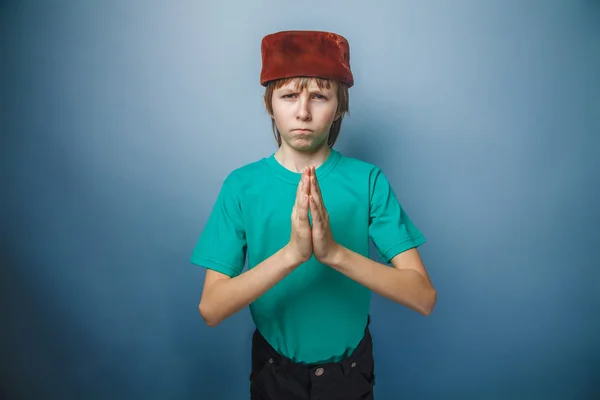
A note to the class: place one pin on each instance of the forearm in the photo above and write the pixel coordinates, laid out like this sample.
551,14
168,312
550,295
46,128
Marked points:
404,286
228,296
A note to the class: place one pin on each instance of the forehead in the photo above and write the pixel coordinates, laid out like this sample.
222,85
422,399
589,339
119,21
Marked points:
302,83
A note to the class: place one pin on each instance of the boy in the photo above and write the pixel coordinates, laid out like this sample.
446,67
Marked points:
303,217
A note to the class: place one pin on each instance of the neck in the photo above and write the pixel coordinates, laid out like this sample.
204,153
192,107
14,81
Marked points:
296,160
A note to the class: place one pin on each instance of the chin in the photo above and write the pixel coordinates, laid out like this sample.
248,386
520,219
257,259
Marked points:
305,144
304,147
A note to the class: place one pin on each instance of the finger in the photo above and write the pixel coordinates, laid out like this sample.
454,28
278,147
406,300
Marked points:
301,188
315,184
303,209
298,194
318,200
315,209
307,181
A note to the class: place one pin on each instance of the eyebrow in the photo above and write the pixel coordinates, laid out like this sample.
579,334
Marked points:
293,90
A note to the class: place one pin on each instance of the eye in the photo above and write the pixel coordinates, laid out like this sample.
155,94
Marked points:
320,96
288,96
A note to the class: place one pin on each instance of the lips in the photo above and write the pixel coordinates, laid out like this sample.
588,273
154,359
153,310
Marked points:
303,130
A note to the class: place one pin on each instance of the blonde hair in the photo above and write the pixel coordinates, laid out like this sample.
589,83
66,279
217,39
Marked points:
301,84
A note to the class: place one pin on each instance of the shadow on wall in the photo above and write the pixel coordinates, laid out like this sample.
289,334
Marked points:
368,138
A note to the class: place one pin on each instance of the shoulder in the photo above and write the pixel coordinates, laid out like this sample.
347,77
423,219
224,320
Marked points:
366,173
358,167
243,176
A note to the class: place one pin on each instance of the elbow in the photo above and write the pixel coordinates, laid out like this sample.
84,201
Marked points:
429,303
208,315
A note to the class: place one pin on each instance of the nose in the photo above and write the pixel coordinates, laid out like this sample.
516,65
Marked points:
303,112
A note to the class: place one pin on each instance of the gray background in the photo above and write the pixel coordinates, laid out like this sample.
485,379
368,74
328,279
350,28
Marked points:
120,120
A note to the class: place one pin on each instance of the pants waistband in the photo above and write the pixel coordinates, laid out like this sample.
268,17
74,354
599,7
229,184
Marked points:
363,349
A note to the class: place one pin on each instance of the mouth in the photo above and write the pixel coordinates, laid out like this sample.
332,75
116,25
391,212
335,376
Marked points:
302,130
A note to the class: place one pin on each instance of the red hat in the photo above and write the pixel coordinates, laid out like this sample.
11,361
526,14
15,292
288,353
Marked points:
305,53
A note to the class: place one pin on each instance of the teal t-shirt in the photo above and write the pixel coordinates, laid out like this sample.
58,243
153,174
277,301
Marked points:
315,314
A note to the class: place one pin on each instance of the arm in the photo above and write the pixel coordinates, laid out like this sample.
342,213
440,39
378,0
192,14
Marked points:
407,283
224,296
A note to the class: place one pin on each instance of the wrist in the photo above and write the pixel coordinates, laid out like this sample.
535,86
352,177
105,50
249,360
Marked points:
335,257
290,258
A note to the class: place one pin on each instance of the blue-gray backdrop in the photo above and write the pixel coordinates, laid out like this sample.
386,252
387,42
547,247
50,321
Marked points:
120,120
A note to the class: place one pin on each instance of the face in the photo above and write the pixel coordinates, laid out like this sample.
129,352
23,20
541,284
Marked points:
304,117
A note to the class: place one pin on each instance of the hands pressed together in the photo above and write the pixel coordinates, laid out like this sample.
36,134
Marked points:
318,239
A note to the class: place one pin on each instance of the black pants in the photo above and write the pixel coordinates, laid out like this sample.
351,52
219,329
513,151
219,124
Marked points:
275,377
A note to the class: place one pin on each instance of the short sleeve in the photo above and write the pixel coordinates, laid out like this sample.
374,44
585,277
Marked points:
222,243
390,228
